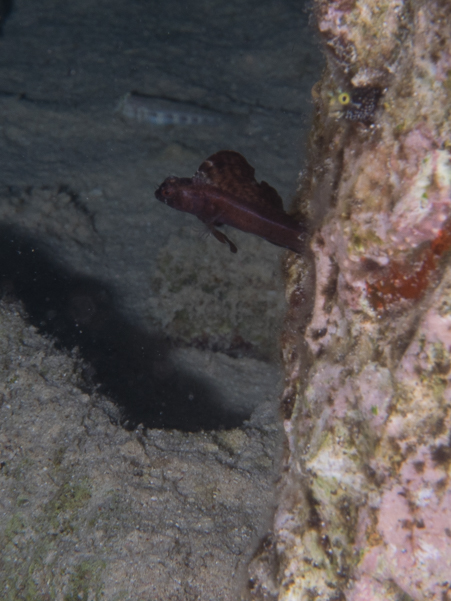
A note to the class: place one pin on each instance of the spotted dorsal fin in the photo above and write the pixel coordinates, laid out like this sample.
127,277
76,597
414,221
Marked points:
230,172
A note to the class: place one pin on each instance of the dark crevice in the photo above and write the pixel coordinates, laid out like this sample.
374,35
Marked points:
6,7
130,365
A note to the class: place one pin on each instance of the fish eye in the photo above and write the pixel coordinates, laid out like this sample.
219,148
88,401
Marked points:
166,192
344,98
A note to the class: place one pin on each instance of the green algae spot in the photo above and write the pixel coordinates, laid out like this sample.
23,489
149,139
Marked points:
357,243
85,582
15,526
70,497
374,409
28,545
61,511
58,456
16,582
22,500
360,241
439,385
441,361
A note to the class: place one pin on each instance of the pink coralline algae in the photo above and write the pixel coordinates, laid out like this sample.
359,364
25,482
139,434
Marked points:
412,460
365,496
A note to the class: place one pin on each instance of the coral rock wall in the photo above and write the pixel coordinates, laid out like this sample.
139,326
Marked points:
365,508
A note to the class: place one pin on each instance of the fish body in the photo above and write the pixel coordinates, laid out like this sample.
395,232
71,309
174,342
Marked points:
162,111
225,192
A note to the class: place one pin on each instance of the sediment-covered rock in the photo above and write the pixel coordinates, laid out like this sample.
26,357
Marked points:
89,510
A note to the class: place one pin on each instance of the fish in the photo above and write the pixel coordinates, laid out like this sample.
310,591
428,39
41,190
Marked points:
224,191
359,104
154,110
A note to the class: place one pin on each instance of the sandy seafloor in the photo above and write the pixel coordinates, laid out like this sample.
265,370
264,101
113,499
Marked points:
176,338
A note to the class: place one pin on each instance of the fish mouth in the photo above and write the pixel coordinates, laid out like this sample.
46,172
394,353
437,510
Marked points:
159,196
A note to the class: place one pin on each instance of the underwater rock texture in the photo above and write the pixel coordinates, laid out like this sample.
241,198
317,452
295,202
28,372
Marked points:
89,510
365,509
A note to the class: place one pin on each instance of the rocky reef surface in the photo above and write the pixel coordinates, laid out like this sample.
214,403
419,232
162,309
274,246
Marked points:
89,510
365,509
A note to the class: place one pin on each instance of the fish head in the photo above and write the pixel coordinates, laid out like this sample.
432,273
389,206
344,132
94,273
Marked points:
180,193
169,192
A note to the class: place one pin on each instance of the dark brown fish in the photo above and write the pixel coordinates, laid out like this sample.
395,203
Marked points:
224,191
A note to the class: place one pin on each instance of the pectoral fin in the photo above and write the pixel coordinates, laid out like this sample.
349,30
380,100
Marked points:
222,238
